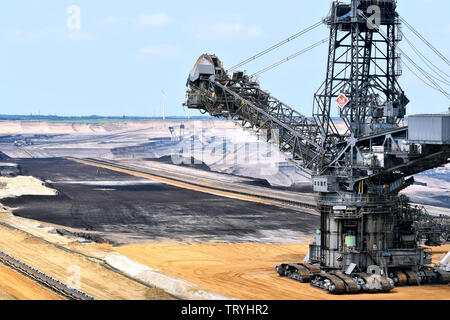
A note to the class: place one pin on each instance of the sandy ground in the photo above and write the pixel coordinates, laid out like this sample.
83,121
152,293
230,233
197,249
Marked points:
42,127
14,286
246,271
95,280
19,186
240,271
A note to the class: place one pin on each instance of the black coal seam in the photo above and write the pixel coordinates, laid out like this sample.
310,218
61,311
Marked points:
287,202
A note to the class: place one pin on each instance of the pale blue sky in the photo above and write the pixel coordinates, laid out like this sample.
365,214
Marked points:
127,51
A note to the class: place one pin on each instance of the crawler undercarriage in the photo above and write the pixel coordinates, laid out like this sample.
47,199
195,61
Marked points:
338,282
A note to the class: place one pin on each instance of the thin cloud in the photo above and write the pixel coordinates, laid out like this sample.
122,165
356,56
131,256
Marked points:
225,29
157,19
153,20
114,20
78,36
429,1
159,51
17,34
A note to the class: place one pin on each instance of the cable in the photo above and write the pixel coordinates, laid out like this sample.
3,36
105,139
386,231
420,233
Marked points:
412,71
295,55
425,41
276,46
435,86
437,69
427,63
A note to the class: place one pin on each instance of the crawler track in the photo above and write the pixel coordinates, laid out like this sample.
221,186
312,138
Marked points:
339,283
43,279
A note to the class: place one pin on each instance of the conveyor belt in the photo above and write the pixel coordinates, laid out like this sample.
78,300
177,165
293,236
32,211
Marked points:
43,279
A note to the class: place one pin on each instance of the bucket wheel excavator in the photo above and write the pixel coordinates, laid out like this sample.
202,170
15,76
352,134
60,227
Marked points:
371,237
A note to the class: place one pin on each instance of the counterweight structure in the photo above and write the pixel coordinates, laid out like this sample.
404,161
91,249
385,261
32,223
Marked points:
370,236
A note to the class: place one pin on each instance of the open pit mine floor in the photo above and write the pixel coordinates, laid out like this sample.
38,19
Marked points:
122,207
210,182
219,271
114,223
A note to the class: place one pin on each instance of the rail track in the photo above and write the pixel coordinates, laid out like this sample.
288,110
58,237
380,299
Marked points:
43,279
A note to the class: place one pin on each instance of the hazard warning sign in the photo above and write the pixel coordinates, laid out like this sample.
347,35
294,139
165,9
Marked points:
342,100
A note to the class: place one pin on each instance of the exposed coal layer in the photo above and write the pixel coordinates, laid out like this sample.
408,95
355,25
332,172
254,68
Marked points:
110,202
3,156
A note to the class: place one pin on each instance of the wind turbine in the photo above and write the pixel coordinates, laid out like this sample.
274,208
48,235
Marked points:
164,104
188,114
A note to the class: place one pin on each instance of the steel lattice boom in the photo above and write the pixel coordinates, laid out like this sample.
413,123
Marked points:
241,99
